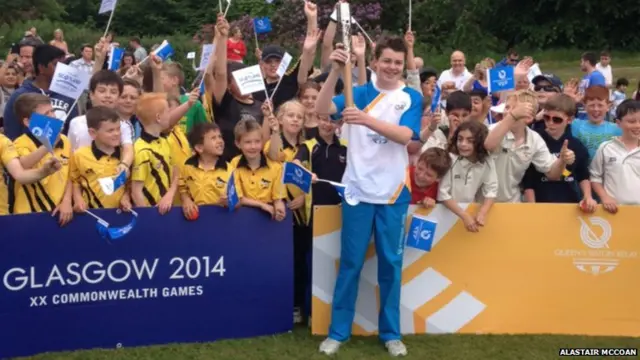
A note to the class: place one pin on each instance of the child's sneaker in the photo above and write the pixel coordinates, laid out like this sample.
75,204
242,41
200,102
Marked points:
297,315
330,346
396,348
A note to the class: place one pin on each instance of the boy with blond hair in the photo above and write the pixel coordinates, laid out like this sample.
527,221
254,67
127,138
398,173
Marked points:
154,176
514,146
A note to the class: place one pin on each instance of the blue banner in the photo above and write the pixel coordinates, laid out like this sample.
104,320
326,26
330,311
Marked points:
297,175
45,129
168,281
421,233
262,25
501,79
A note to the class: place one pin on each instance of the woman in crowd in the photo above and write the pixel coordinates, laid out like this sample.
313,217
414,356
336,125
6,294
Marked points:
10,79
58,41
236,49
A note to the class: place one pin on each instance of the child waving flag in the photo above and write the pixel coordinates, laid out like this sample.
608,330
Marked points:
386,117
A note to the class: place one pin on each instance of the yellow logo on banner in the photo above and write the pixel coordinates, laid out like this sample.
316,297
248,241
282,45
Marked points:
534,268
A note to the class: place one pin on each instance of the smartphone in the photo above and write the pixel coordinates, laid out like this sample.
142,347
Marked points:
15,48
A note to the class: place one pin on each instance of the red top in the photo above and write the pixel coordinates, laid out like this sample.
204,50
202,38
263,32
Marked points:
236,50
417,193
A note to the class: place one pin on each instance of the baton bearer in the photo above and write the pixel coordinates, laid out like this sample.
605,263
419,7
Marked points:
344,19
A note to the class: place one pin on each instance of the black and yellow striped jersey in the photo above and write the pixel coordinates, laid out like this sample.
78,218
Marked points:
46,194
205,187
7,154
153,166
88,164
180,151
262,184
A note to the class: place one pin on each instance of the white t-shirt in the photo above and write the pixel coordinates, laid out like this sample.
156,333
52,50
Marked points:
618,170
377,166
79,133
512,162
607,72
459,80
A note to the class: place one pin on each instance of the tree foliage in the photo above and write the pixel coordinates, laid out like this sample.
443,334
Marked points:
440,24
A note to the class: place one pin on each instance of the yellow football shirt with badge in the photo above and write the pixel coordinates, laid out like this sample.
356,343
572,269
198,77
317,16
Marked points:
7,154
205,187
180,151
88,164
46,194
263,184
153,166
287,153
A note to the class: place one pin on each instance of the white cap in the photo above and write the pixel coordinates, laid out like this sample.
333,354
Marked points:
499,109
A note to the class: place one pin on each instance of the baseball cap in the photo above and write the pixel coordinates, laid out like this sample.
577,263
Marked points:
272,51
553,79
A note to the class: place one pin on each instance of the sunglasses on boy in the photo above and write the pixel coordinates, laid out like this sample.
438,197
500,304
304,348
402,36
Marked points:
554,119
546,88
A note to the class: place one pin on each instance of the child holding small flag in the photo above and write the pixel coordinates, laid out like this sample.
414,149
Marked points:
172,79
325,155
204,176
96,161
52,194
258,179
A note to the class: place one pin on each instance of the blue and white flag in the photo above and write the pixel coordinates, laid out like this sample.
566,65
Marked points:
262,25
435,100
110,185
45,129
421,233
115,57
349,193
106,6
114,233
232,193
501,79
297,175
164,51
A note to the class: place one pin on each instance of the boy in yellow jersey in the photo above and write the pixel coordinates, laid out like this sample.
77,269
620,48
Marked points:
204,176
154,176
96,161
52,193
180,149
258,179
10,163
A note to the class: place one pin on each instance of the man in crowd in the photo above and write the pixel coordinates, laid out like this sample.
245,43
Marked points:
85,63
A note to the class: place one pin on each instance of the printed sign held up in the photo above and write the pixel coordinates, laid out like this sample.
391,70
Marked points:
207,51
249,80
107,5
68,81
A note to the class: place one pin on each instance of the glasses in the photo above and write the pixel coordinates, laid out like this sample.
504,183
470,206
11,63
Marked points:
514,60
554,119
545,88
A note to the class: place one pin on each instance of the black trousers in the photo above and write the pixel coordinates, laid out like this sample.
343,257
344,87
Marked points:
302,241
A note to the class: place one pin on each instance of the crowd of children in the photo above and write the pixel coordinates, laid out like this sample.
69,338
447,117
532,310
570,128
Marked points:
174,155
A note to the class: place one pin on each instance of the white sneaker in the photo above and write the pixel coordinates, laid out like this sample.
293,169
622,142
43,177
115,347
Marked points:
396,348
330,346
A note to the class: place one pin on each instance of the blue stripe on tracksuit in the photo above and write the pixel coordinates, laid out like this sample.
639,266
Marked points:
387,223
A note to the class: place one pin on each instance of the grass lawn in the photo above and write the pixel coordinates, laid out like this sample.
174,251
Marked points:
300,345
